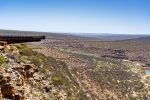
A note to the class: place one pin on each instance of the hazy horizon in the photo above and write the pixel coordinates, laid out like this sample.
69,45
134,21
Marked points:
78,34
76,16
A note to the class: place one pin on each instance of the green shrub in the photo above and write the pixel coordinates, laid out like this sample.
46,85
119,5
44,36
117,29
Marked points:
43,97
42,57
35,60
57,93
20,46
24,59
131,96
26,51
43,70
57,80
141,71
2,61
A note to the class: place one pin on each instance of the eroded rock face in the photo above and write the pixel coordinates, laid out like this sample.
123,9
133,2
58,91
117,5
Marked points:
13,76
29,70
26,70
8,87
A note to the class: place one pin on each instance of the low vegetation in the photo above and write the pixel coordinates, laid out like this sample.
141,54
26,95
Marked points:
58,71
2,61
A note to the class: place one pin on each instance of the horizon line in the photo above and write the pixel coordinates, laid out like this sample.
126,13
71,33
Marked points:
73,33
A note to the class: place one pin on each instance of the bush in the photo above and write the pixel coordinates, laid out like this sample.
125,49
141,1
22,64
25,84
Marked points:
43,98
24,59
35,60
57,80
26,51
20,46
57,93
131,96
2,61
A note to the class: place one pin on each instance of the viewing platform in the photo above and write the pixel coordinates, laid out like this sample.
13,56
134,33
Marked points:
21,38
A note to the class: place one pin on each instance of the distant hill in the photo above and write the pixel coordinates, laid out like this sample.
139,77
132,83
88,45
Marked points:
110,36
143,39
77,36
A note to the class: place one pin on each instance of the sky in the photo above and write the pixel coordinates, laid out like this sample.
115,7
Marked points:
76,16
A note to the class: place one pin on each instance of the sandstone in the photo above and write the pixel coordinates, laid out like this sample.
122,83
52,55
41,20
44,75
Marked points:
29,73
19,82
8,88
6,77
28,66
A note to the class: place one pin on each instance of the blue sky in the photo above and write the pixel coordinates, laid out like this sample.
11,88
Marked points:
77,16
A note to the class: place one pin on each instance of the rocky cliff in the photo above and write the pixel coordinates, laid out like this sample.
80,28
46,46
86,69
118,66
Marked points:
28,75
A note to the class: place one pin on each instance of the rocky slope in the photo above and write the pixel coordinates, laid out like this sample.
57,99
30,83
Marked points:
23,76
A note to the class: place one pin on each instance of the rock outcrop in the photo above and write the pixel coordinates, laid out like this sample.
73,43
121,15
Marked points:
8,86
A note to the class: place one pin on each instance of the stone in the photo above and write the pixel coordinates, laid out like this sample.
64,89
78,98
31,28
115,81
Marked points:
9,70
6,77
1,48
19,97
29,73
47,88
6,59
2,43
28,66
8,88
19,82
27,70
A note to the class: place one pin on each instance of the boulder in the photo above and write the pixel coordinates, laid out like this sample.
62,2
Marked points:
27,70
19,97
29,73
8,88
28,66
6,78
20,82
